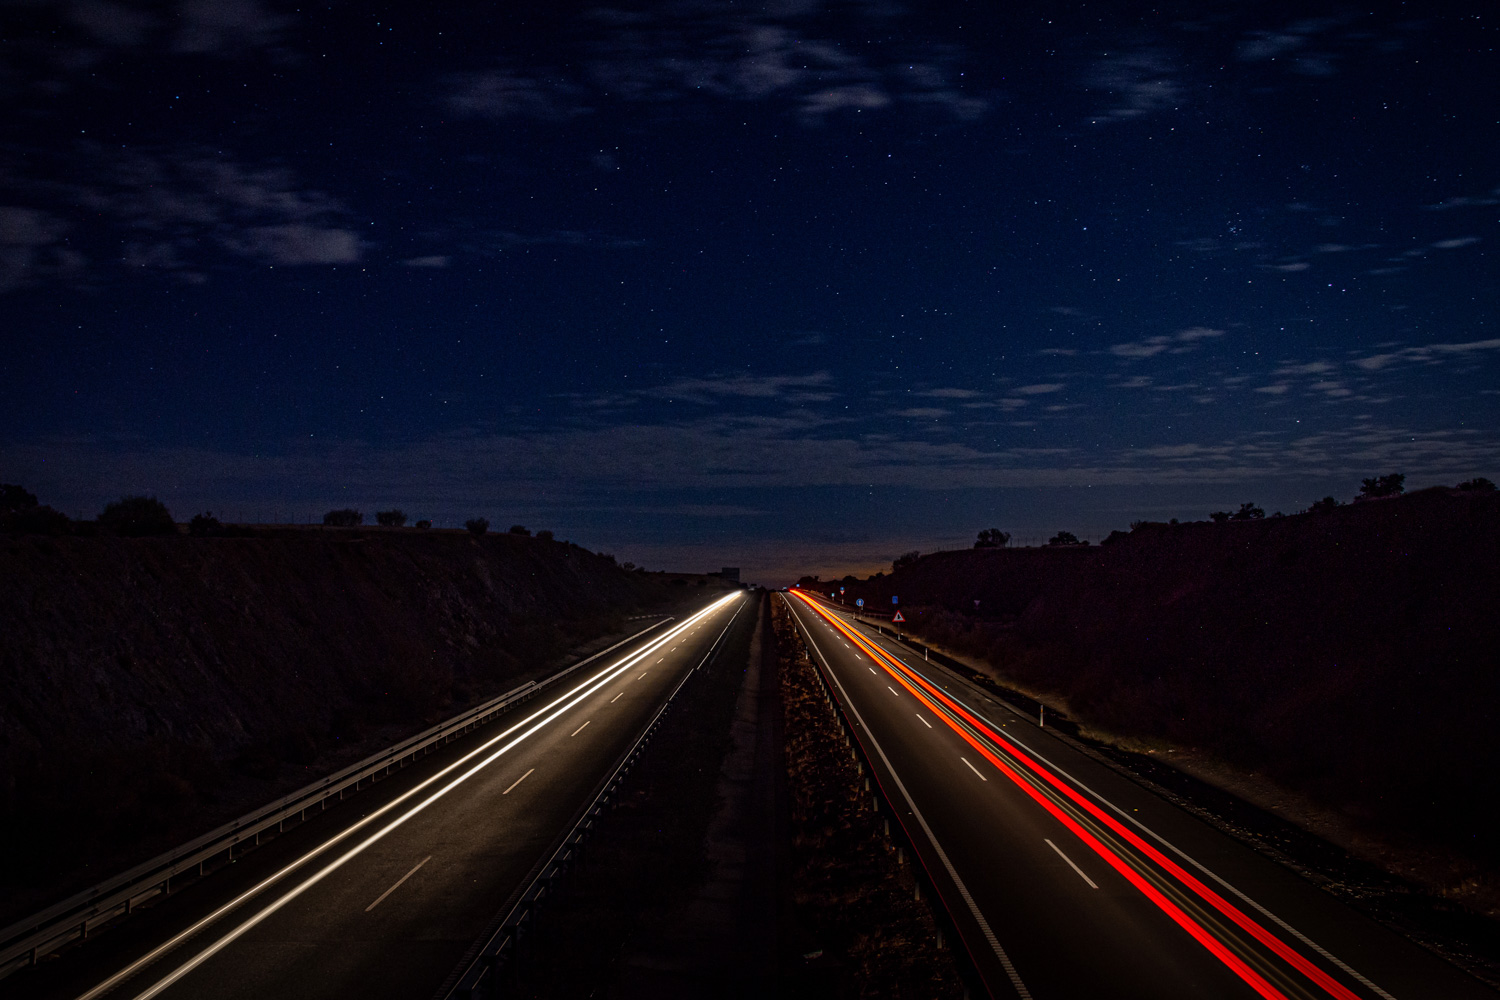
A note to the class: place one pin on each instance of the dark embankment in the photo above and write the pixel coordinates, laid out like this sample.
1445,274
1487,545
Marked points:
154,687
1349,655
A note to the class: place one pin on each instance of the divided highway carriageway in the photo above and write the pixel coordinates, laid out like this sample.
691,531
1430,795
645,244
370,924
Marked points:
383,896
1066,879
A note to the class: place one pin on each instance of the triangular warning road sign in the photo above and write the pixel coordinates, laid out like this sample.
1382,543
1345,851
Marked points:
898,618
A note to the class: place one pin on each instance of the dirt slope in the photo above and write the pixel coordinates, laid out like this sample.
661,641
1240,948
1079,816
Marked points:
154,686
1350,655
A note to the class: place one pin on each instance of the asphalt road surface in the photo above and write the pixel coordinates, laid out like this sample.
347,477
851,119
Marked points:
382,896
1066,879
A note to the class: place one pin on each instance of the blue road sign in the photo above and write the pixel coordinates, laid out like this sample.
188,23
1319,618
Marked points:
860,602
894,599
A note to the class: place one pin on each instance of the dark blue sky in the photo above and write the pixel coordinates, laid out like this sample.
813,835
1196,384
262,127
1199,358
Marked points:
793,285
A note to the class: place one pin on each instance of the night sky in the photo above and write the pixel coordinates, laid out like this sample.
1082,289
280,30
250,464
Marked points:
794,286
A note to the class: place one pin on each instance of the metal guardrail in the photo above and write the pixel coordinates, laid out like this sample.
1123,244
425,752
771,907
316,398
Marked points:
24,942
476,976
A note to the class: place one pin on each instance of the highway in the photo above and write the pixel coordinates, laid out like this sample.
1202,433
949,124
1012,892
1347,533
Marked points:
1066,879
383,895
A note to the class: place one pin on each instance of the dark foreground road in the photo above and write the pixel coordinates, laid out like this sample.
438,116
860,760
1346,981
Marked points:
382,896
1068,880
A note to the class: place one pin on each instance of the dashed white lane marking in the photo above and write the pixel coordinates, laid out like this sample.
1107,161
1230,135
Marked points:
893,691
403,878
1071,864
925,722
643,674
517,782
872,670
585,726
966,764
615,698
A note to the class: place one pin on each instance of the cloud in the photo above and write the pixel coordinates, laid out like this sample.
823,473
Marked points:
1310,368
1152,346
435,260
922,413
796,388
29,245
1142,82
1428,353
1038,389
216,25
698,52
1066,352
112,24
1300,265
299,243
858,97
175,210
1288,46
508,93
503,240
1199,333
1462,241
1280,388
951,393
1467,201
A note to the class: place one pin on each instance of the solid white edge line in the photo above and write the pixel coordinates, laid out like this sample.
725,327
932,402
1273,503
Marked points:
580,728
1136,822
592,684
517,782
1069,860
381,898
973,768
963,890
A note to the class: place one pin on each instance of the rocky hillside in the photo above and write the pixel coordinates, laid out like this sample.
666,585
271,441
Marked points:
155,686
1350,654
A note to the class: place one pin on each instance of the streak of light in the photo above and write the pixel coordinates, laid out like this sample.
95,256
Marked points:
553,710
951,713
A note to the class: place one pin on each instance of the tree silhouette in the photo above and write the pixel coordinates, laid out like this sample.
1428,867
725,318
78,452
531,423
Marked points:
992,538
20,513
518,529
905,559
390,518
1220,516
345,518
1065,538
1248,512
14,498
477,525
135,517
1477,485
205,524
1382,486
1323,506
